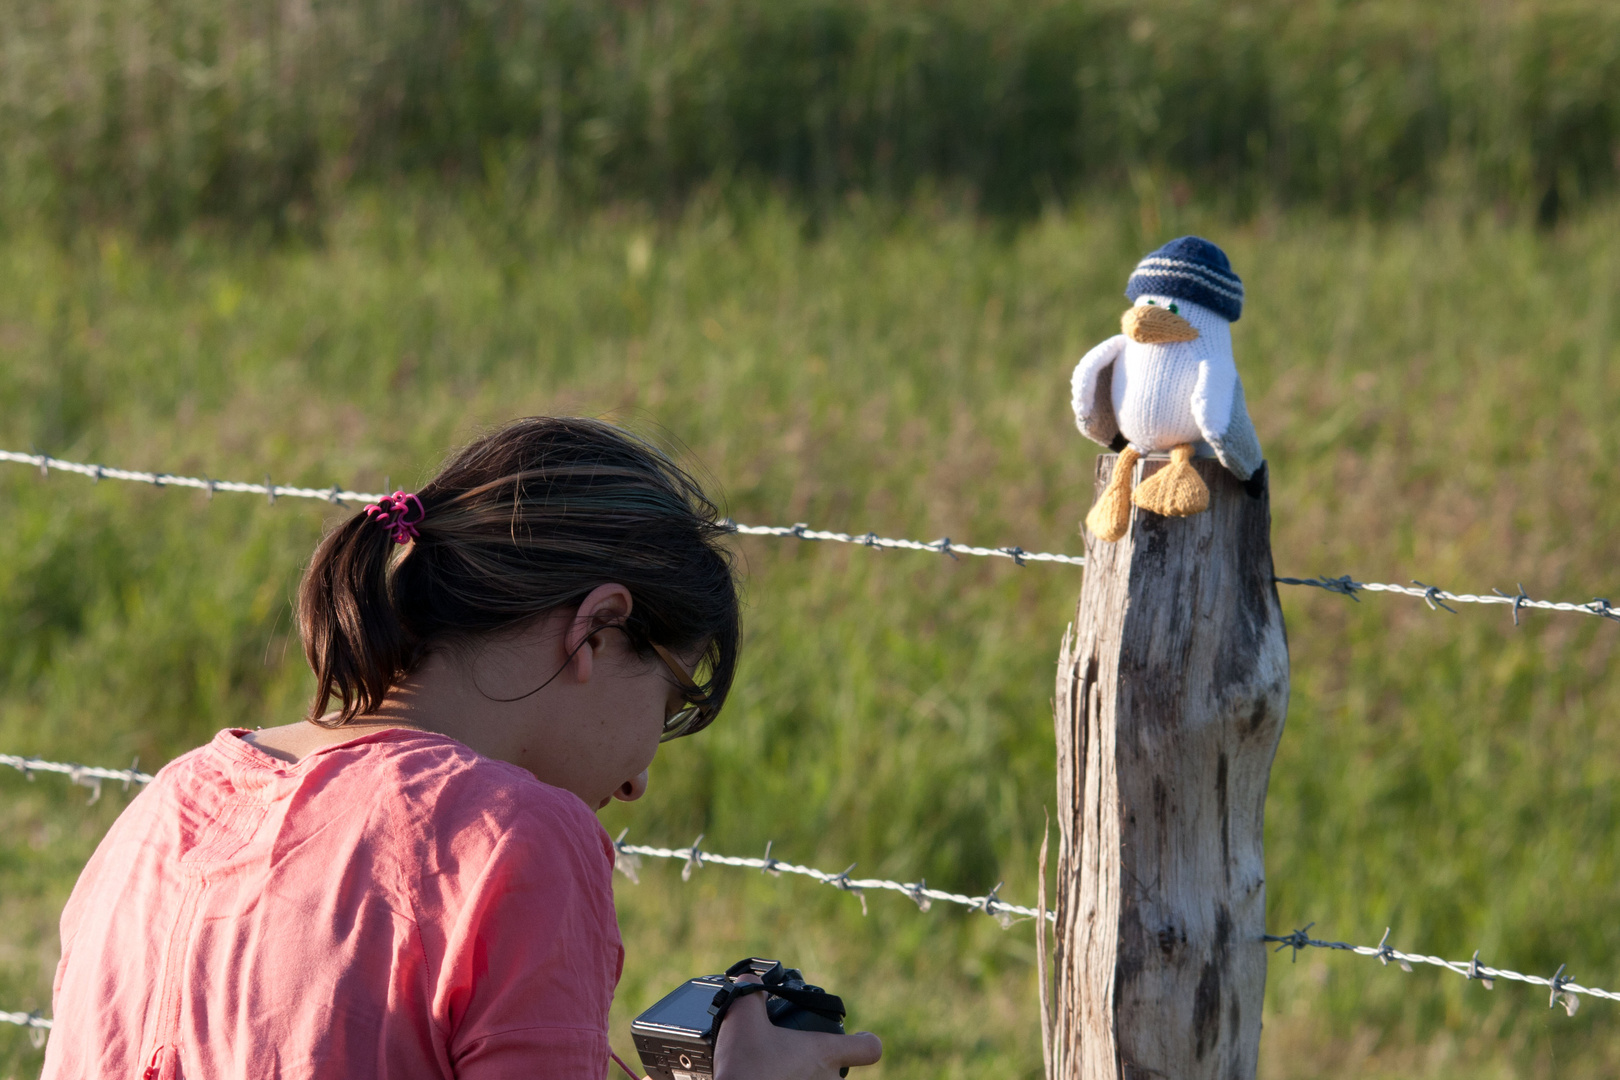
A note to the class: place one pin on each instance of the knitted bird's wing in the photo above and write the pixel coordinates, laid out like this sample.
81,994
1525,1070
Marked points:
1223,416
1092,388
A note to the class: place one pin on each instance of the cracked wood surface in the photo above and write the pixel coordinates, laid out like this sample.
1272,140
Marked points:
1171,693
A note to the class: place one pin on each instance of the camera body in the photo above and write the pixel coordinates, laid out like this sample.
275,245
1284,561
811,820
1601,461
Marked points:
675,1037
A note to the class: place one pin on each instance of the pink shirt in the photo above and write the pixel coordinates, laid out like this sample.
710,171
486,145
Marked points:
395,906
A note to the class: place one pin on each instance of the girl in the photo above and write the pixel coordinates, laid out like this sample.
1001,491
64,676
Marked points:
415,884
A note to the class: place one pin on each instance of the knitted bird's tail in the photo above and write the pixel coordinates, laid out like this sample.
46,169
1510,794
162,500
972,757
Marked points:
1111,516
1175,490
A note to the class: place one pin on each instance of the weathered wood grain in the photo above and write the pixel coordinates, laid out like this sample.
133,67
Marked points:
1171,694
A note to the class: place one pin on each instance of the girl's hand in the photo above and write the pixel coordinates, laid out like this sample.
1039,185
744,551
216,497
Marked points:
750,1047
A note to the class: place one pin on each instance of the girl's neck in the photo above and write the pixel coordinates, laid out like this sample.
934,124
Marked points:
293,742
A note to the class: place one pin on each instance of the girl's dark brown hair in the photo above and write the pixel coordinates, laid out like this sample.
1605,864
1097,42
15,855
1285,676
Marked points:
524,522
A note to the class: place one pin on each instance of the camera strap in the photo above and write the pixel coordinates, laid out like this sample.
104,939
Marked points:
816,1001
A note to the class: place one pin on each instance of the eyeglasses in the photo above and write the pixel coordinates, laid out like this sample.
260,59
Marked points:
695,716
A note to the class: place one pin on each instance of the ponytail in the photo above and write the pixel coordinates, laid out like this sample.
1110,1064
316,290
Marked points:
352,635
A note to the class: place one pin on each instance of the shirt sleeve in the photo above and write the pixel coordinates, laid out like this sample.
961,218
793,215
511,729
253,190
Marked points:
534,955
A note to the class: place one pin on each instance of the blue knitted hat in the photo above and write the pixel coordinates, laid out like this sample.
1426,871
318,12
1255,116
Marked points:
1190,268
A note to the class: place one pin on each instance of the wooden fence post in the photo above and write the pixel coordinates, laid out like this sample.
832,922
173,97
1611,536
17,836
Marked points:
1171,693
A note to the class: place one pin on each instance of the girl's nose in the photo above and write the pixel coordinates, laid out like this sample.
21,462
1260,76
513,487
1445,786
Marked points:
633,788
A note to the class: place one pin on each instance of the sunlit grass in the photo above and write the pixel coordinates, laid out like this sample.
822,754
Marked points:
1437,399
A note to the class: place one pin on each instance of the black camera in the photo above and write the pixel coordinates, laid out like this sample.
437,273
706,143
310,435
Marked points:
675,1037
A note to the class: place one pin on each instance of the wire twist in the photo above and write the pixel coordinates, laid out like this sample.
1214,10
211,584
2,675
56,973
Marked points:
26,1019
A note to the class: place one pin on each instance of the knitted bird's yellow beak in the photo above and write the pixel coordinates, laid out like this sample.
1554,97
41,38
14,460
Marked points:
1150,324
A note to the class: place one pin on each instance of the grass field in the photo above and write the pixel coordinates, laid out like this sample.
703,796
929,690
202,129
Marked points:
1438,397
155,115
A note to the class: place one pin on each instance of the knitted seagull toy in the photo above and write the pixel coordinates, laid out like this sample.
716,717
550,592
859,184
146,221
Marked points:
1168,383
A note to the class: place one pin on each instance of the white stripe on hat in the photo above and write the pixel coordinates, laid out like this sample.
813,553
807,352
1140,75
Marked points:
1199,278
1182,264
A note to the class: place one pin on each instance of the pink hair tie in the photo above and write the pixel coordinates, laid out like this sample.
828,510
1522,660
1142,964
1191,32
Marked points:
399,513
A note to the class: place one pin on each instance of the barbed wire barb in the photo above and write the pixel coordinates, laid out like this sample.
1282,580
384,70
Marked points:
1434,596
842,882
1299,939
1559,995
625,862
994,908
79,777
1518,600
694,859
1386,953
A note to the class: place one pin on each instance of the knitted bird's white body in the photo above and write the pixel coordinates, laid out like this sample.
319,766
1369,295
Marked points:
1160,395
1153,389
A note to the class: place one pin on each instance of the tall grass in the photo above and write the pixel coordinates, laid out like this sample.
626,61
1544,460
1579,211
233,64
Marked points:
1437,397
156,112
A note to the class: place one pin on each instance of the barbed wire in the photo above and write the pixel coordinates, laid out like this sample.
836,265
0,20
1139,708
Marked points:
342,496
39,1027
45,463
628,863
943,546
1564,991
1437,598
89,776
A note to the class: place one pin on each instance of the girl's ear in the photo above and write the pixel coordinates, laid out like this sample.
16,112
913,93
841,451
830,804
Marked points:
605,606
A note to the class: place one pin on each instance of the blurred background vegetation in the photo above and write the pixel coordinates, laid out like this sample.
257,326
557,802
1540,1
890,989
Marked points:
157,112
842,256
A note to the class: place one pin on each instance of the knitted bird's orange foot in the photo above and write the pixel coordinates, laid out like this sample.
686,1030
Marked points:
1111,516
1175,490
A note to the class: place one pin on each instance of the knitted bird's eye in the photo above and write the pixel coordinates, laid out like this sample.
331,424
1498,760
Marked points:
1155,303
1173,309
